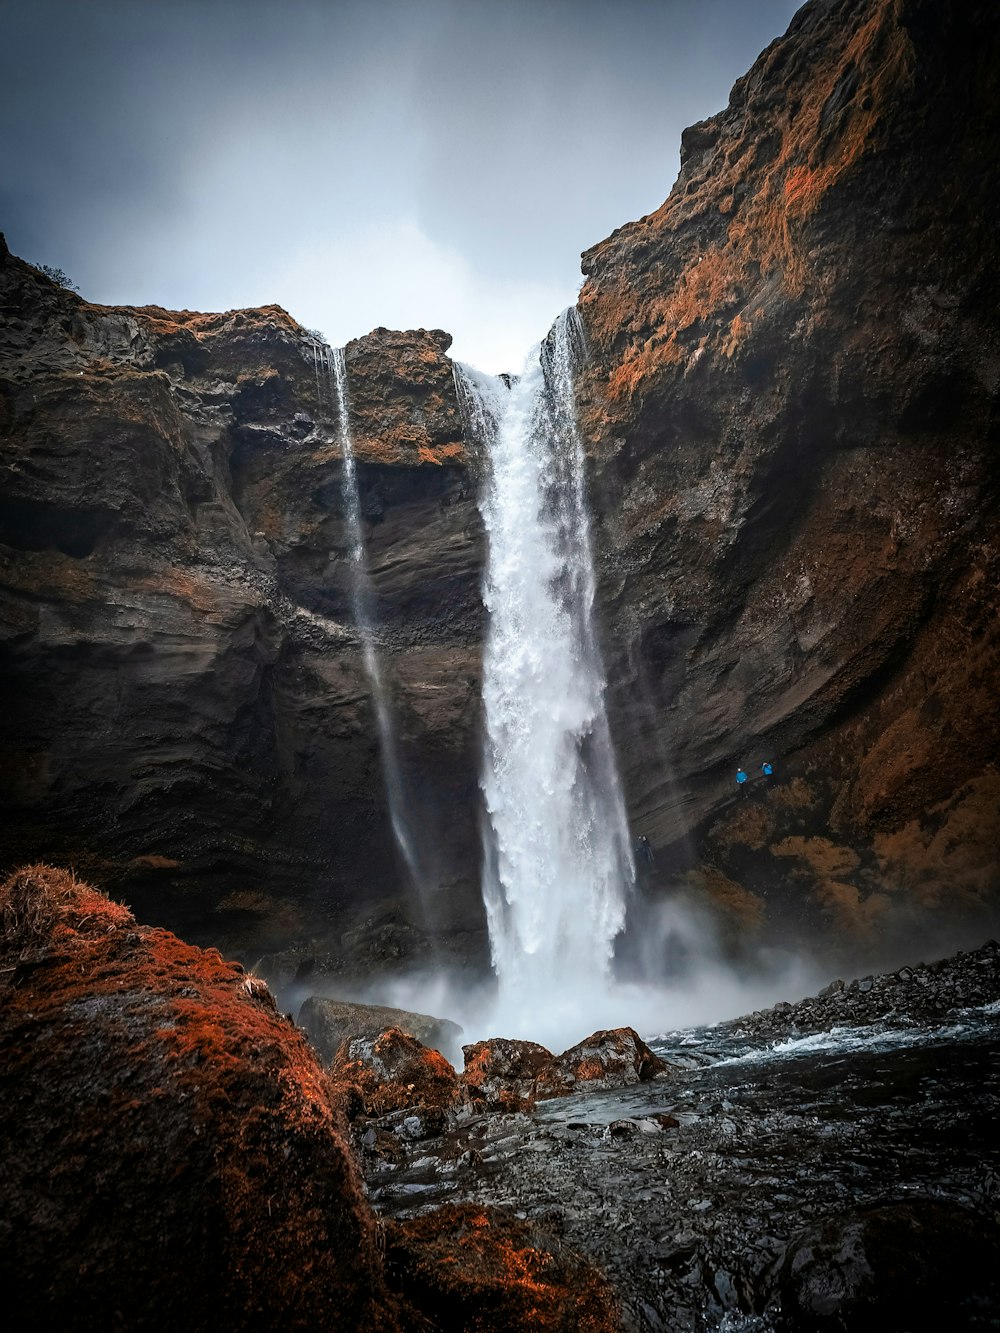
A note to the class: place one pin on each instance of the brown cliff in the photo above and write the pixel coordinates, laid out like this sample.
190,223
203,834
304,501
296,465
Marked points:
791,420
188,714
792,404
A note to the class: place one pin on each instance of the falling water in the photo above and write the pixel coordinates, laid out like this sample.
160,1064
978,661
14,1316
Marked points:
333,365
558,864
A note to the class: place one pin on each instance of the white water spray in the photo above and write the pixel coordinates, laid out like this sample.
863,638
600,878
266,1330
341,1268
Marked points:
334,368
558,866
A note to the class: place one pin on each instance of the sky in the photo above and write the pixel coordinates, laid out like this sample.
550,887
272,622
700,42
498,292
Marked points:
407,163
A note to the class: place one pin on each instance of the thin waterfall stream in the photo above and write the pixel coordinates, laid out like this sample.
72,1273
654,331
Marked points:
331,365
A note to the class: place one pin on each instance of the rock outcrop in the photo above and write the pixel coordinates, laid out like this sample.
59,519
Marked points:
187,713
792,410
172,1156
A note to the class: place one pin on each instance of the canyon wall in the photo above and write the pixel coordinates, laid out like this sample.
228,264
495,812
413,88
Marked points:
792,404
791,416
187,714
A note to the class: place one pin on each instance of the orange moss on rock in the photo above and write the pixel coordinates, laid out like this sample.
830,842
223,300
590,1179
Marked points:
502,1074
394,1071
172,1157
484,1271
797,127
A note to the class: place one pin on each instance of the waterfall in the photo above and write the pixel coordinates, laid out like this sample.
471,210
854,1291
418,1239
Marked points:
557,863
334,367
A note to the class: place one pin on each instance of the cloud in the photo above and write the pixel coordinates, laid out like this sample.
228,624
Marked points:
395,275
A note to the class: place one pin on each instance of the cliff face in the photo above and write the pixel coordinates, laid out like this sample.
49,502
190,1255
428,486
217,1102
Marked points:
189,717
791,414
793,407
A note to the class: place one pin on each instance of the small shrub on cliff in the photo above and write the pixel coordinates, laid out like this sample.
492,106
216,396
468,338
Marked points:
58,276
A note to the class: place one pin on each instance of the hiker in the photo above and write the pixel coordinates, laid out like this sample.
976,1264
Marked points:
766,768
741,778
645,851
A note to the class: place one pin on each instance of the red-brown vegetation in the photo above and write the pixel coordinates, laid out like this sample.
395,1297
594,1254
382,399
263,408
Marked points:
171,1156
484,1271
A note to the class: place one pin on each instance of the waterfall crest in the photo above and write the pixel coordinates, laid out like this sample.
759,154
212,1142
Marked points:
557,864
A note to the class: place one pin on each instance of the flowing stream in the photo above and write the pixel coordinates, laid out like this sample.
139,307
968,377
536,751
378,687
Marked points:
332,367
557,863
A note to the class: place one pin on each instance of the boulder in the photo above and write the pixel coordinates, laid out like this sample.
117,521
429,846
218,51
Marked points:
171,1156
329,1023
613,1058
394,1072
503,1075
482,1269
919,1263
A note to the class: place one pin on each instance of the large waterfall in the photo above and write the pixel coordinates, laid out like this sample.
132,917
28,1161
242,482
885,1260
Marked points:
558,864
330,361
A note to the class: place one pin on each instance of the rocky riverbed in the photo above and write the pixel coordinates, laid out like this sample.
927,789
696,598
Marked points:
831,1164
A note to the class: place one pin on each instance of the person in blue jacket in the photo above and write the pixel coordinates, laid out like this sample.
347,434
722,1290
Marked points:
741,777
766,768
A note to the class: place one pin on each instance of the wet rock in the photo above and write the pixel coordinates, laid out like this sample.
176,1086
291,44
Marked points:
615,1058
503,1075
484,1269
922,1263
329,1023
395,1072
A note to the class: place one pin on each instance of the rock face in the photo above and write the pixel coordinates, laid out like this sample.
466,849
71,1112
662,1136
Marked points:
791,416
792,406
188,714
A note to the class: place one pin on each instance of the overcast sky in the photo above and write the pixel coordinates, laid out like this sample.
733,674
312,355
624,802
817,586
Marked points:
436,163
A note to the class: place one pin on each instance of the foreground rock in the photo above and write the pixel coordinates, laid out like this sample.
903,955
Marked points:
329,1023
505,1075
171,1157
495,1271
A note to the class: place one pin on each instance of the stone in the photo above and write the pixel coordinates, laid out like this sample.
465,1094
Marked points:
921,1263
195,1172
503,1075
487,1269
395,1072
329,1023
614,1058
